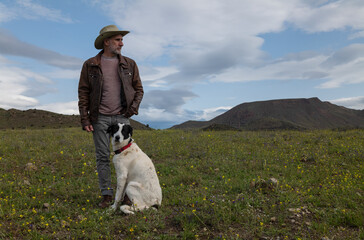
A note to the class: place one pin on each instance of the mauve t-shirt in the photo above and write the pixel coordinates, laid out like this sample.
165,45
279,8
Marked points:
110,101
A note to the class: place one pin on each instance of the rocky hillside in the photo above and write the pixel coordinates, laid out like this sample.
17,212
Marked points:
309,113
38,119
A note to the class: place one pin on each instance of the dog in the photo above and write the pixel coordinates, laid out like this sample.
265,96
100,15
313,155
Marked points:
137,181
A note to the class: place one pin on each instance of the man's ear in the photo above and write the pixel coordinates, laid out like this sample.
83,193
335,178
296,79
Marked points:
106,42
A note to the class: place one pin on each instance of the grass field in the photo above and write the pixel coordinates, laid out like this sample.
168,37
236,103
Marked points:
216,185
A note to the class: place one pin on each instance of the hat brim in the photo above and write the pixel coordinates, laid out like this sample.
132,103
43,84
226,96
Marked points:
99,42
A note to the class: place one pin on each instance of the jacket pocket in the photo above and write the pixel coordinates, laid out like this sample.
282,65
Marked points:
95,80
127,74
93,76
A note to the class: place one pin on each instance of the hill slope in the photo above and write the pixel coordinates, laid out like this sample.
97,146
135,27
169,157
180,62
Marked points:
33,118
309,113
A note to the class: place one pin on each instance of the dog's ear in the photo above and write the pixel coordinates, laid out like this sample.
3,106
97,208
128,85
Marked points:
127,131
112,129
130,129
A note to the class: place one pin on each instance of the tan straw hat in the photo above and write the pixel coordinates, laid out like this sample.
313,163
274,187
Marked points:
107,32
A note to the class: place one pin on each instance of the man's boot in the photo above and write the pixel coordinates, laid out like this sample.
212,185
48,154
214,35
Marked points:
106,202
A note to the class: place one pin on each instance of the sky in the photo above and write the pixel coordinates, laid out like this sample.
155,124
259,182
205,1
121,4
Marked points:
197,58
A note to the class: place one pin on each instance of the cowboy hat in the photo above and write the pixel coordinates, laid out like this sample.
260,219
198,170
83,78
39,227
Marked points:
107,32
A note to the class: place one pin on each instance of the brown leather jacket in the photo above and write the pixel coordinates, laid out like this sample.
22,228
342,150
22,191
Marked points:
90,88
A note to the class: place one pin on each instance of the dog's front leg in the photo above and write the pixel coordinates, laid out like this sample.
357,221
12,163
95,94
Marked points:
120,190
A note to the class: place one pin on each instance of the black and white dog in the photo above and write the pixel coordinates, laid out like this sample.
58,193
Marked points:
137,179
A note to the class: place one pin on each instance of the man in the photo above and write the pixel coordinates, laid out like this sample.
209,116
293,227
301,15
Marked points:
109,92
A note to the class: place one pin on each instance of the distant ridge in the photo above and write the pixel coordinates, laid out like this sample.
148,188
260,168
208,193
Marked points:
38,119
298,114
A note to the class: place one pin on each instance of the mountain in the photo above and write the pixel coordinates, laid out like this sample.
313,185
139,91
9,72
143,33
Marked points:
298,114
38,119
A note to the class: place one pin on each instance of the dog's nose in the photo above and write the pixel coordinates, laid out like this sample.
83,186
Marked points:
117,138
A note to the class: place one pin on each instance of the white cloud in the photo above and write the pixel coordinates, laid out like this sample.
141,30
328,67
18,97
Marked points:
6,14
157,115
345,66
160,118
68,108
345,55
19,87
352,102
196,26
359,34
152,76
162,27
13,85
210,113
219,41
334,15
284,69
4,60
10,45
169,100
349,73
64,74
28,9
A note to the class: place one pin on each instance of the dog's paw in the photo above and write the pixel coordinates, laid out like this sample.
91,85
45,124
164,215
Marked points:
113,207
126,209
109,211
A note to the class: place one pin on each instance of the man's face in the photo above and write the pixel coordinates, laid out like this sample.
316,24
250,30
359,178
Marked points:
114,44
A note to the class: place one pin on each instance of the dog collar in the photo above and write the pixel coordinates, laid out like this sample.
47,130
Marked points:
123,148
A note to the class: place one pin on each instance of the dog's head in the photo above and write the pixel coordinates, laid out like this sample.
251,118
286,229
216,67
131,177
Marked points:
120,133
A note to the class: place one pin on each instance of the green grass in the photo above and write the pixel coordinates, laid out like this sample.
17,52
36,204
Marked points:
215,186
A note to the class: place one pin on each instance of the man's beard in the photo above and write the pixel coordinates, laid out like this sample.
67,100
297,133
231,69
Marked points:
114,49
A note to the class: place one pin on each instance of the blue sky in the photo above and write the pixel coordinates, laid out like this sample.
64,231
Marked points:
197,59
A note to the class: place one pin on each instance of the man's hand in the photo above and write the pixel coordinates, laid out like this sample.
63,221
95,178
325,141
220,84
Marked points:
89,128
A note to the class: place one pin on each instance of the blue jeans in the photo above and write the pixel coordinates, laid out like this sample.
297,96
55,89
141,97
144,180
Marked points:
102,148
